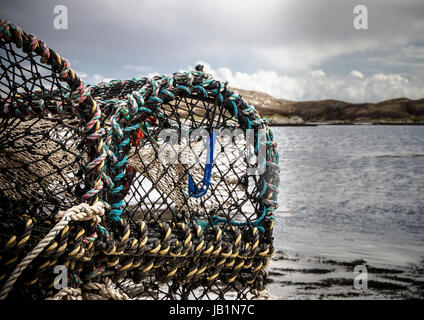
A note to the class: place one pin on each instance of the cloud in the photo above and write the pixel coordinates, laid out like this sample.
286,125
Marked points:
317,73
396,59
266,81
410,56
357,74
92,78
317,85
286,36
414,51
138,68
292,49
303,56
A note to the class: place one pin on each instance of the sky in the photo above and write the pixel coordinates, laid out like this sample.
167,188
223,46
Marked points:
291,49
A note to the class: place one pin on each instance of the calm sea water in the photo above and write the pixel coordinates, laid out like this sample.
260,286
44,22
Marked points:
352,192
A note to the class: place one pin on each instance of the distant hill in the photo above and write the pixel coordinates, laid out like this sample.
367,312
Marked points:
280,111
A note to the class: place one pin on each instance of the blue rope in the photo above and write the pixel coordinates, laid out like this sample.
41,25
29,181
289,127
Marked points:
216,219
204,92
184,88
157,99
115,213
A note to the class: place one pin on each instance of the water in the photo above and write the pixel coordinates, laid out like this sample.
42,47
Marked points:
352,192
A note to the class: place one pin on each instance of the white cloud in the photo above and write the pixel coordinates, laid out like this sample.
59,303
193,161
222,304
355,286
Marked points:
316,85
357,74
317,73
92,78
265,81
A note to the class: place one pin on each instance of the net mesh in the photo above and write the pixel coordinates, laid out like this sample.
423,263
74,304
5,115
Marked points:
188,213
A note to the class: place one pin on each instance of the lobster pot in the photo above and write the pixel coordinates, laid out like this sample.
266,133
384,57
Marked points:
185,171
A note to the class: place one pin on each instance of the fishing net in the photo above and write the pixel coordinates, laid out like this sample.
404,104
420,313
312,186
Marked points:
148,188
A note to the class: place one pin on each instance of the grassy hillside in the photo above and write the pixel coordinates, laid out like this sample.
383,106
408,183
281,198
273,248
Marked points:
401,110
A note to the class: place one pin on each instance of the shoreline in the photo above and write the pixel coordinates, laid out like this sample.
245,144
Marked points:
297,276
315,124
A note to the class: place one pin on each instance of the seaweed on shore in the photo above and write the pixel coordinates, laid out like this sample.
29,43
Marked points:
307,270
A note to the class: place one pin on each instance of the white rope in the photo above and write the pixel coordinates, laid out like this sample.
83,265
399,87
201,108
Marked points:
67,294
81,212
261,294
105,290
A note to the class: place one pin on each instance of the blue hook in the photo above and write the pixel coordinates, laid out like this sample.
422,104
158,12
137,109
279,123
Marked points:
195,191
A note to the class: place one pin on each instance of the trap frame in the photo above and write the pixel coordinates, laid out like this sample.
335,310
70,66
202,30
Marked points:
83,184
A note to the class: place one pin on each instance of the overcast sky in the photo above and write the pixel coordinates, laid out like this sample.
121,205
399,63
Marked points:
298,50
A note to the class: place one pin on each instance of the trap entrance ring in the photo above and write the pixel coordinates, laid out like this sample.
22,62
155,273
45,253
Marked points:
175,206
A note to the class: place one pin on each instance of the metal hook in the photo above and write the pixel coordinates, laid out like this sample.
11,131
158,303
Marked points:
200,190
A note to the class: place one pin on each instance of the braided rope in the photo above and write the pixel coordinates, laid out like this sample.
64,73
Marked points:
106,291
67,294
102,291
81,212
